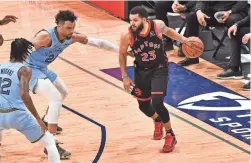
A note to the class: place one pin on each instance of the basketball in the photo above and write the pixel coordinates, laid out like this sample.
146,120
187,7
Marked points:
192,47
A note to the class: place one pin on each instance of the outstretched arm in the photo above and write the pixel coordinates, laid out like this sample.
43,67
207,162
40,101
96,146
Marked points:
99,43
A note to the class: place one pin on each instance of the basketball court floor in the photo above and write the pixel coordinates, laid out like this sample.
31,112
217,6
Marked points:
102,123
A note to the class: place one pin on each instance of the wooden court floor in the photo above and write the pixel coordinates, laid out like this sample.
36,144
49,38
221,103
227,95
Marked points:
98,96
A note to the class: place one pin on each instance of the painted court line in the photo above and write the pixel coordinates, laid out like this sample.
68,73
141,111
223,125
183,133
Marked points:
103,132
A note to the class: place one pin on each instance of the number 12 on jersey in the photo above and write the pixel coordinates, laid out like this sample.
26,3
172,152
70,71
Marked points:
5,83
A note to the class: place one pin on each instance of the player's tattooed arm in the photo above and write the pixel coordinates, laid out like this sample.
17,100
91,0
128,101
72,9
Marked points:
169,32
99,43
24,75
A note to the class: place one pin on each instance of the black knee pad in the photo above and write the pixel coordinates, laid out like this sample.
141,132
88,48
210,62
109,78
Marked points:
158,105
146,108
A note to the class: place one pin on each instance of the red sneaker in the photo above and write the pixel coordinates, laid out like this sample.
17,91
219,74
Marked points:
158,131
170,142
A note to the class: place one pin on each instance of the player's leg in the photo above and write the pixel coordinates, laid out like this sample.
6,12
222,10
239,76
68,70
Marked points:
159,89
27,125
48,142
45,88
58,83
61,87
3,124
59,129
142,92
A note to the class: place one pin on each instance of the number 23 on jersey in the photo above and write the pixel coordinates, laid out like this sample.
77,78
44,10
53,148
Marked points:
150,56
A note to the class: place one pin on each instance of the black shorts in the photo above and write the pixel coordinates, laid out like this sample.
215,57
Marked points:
150,82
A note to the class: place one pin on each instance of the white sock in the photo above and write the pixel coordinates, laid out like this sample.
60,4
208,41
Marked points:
49,143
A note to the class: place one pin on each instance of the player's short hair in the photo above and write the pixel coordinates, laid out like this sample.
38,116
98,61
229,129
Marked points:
65,15
20,47
139,10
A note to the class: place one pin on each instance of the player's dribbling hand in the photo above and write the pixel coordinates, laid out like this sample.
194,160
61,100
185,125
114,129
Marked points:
42,125
127,83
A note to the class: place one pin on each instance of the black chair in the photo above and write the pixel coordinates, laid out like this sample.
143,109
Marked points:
220,41
183,17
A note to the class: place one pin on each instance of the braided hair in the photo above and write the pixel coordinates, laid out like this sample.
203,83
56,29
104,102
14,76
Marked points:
20,47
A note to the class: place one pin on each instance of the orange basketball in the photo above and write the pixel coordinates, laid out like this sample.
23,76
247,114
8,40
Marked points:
192,47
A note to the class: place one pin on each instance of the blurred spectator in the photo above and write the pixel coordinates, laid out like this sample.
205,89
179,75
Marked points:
238,33
204,16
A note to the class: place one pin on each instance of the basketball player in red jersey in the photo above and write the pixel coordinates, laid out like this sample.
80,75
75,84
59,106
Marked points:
151,69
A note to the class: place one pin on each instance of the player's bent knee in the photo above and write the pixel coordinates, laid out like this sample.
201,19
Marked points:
54,112
158,105
44,87
55,96
158,101
55,105
61,87
64,94
146,108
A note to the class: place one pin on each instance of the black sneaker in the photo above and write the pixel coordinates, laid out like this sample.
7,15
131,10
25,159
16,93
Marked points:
246,87
59,129
188,61
62,152
230,74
